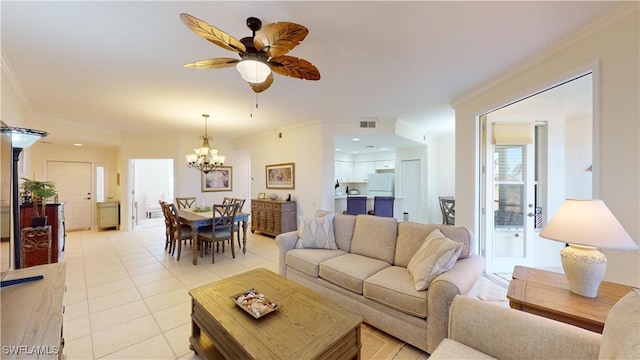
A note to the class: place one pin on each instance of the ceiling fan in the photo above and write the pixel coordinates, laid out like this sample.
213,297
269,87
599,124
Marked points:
260,54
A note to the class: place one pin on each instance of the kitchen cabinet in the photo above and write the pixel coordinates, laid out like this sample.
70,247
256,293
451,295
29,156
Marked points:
385,164
361,169
344,171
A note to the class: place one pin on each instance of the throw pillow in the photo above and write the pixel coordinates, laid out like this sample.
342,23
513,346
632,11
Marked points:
436,255
316,233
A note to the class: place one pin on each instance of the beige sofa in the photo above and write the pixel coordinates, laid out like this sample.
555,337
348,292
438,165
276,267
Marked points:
479,330
368,273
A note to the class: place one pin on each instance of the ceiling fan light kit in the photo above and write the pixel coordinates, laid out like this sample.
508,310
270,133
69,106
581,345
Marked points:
253,71
260,54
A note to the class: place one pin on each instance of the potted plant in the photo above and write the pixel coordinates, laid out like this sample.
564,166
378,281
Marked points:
39,190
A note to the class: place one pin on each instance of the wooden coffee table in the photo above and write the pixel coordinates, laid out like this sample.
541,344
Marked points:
306,326
547,294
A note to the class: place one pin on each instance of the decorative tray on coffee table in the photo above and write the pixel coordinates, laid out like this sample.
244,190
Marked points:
255,303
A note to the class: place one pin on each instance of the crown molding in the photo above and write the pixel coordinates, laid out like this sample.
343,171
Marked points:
9,76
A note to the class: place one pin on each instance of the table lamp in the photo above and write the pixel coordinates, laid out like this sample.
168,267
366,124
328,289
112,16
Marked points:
586,225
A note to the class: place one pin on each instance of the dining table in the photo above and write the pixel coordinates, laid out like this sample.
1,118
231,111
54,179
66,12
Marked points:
199,220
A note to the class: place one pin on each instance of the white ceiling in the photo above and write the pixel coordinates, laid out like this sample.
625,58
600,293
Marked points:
117,65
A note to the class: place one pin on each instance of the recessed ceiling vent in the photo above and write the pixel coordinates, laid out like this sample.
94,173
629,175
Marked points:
368,123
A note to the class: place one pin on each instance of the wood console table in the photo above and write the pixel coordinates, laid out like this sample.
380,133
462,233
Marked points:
547,294
32,314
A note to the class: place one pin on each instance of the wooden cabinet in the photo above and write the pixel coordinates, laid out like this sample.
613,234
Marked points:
55,218
273,217
32,313
108,215
35,246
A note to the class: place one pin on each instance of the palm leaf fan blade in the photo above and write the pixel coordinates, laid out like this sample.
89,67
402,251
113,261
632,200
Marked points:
260,87
216,63
294,67
212,33
276,39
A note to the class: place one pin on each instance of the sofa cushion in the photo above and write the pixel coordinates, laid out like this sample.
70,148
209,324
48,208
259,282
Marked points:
316,233
621,334
393,287
411,236
375,237
350,270
308,260
343,226
436,255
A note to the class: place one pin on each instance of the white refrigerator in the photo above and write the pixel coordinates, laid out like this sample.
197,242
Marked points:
380,184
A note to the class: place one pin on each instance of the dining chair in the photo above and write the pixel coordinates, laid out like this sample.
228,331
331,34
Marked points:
166,213
222,229
185,202
383,206
180,233
448,209
227,200
236,226
356,205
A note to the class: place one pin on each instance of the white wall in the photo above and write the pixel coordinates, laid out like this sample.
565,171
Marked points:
578,148
611,48
299,145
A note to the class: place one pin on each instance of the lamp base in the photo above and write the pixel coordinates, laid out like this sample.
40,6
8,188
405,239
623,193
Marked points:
584,267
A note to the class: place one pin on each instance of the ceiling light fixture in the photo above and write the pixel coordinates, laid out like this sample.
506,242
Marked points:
205,158
253,71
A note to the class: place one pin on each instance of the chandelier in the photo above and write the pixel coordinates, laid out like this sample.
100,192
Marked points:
205,158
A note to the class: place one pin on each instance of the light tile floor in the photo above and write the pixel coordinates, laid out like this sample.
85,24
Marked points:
127,298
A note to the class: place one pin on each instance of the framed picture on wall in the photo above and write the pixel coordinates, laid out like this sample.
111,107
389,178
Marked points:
281,176
220,179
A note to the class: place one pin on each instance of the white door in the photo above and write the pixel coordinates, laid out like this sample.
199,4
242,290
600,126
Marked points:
73,184
509,201
411,188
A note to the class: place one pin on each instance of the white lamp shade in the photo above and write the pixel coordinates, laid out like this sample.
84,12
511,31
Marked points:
253,71
589,223
191,158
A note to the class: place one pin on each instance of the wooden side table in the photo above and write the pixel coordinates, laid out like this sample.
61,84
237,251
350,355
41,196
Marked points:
547,294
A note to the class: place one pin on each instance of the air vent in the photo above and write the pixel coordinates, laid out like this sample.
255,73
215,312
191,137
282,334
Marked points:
367,124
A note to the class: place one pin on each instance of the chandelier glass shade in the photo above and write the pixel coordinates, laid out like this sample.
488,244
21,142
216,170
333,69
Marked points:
205,158
253,71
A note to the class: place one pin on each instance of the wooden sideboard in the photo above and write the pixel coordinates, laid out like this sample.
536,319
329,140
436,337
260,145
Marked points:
55,218
273,217
32,314
108,215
